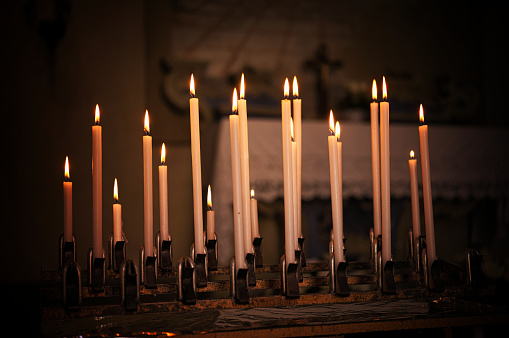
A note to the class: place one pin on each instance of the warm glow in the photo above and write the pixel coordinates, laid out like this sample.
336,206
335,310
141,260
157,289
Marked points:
242,90
287,89
234,101
209,198
373,91
331,122
115,190
384,90
66,171
412,154
337,130
163,154
295,87
191,86
421,114
97,114
147,125
291,128
252,193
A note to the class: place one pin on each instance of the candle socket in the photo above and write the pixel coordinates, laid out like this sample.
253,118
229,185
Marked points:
148,268
96,271
186,281
165,250
257,244
298,258
211,245
129,285
338,279
303,256
475,276
117,253
239,290
71,282
289,279
201,271
376,249
388,283
251,275
432,278
66,251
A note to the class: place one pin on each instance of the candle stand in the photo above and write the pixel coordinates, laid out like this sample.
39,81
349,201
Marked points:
239,288
257,244
211,245
165,250
116,253
71,282
289,278
186,281
338,279
201,270
251,274
96,271
66,251
148,267
129,285
302,255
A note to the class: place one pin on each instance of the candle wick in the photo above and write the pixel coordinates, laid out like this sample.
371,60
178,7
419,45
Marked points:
296,97
67,179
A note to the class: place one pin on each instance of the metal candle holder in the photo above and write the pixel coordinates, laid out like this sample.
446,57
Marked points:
96,271
129,285
338,278
302,255
212,253
66,251
165,250
71,285
186,281
289,278
200,267
148,268
239,288
117,253
257,244
251,274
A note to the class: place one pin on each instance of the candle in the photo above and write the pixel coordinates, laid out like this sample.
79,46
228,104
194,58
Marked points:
287,176
244,168
117,215
414,195
385,180
340,236
297,120
426,191
238,233
67,203
254,217
294,184
163,196
196,169
375,163
148,208
211,227
97,247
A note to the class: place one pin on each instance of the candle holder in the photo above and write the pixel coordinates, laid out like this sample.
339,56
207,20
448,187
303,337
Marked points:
148,268
201,271
212,253
289,278
66,251
376,247
298,258
96,271
257,244
338,279
129,285
388,283
71,282
239,290
251,275
431,276
302,255
116,253
475,276
165,250
186,281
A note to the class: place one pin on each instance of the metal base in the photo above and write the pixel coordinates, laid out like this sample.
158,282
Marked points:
71,283
116,253
338,279
211,245
186,281
165,252
388,283
257,244
148,268
200,262
129,285
239,289
96,271
66,251
302,255
289,279
251,275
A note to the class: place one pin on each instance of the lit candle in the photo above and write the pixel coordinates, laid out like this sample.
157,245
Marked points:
297,120
67,203
238,233
294,184
414,195
254,216
196,169
287,176
148,208
211,227
97,211
385,180
117,215
375,163
244,168
163,196
426,191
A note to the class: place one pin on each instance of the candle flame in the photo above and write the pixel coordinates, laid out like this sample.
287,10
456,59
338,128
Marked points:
331,122
337,130
252,193
242,93
373,91
287,89
97,114
209,198
191,86
147,125
115,191
421,114
384,90
163,154
234,101
295,87
66,171
291,128
412,154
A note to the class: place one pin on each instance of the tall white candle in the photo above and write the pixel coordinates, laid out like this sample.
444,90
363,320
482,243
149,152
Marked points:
238,230
211,222
375,163
287,176
414,196
254,217
294,184
196,169
341,252
297,120
117,215
385,177
163,196
426,191
244,167
67,203
148,204
97,213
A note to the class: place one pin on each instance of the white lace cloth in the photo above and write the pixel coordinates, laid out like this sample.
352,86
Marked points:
466,162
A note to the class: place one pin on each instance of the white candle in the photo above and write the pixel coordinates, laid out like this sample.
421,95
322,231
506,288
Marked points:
196,169
238,233
426,191
294,185
244,168
254,217
163,196
297,120
340,236
117,215
287,176
414,196
211,227
67,203
148,207
385,177
97,248
375,163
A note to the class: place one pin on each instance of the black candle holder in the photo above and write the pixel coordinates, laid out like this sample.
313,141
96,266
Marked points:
186,281
257,244
96,271
148,267
165,252
117,253
289,278
212,253
66,251
298,258
388,283
475,276
129,285
376,249
302,255
251,274
239,288
71,283
338,278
